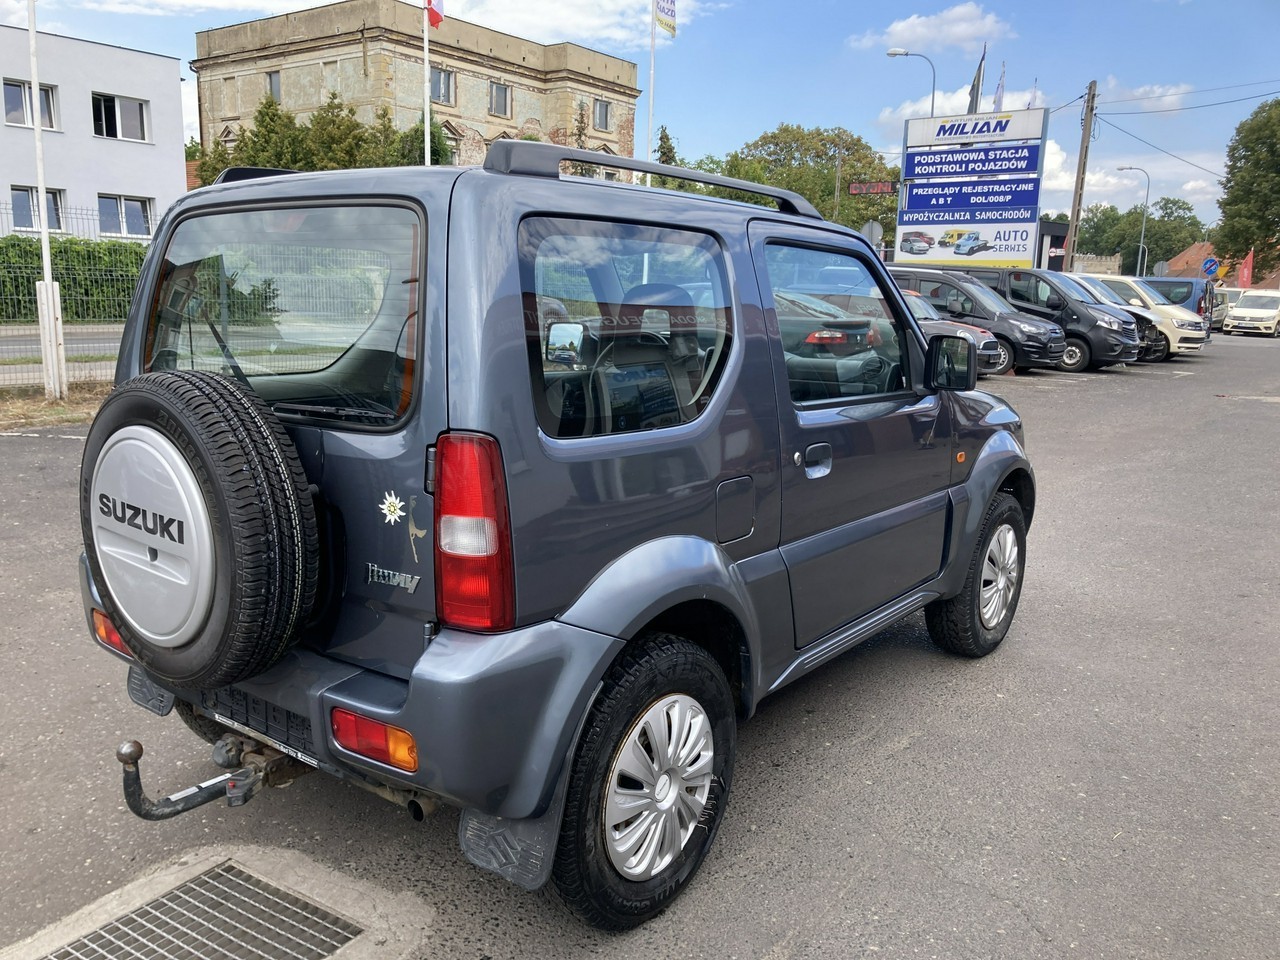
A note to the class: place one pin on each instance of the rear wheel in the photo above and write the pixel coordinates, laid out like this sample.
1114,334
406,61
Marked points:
1076,356
648,786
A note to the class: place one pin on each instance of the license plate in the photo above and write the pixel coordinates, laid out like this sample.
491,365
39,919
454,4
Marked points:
145,693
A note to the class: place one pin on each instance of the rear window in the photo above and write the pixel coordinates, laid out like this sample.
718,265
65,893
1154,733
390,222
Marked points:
627,327
315,308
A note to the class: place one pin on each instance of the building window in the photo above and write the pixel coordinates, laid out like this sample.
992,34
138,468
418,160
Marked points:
17,104
124,216
273,84
499,99
25,207
441,86
600,115
119,118
452,143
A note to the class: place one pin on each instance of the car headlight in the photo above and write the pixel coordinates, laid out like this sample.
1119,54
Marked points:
1028,327
1187,324
1111,323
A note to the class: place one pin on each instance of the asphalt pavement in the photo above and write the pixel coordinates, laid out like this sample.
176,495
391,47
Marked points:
1104,785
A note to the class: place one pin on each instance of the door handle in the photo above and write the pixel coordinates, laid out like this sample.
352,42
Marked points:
817,460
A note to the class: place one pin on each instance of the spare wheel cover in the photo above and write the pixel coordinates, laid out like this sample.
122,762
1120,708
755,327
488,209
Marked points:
153,537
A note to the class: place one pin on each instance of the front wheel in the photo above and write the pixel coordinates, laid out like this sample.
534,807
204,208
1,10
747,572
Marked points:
1005,363
1076,356
1160,350
648,786
975,621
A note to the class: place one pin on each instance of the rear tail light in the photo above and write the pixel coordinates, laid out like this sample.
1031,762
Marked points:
375,740
106,633
475,578
826,338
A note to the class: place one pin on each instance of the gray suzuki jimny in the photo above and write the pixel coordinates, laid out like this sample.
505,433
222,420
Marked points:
517,491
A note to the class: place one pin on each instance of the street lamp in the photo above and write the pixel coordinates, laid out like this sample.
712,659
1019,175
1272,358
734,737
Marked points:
933,91
1142,236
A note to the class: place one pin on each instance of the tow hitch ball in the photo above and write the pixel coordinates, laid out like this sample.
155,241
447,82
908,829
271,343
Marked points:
250,765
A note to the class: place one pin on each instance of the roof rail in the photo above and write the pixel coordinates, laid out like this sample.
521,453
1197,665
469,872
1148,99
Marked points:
535,159
236,174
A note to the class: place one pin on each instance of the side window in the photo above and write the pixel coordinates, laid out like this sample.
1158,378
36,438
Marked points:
944,295
840,337
1028,288
627,327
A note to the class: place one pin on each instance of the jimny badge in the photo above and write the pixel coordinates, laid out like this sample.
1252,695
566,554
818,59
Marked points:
392,508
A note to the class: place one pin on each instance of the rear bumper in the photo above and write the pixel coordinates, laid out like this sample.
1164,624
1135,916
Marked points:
492,716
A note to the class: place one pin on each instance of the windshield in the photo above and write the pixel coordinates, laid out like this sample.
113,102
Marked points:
1258,301
1073,289
921,308
1103,293
984,295
1155,295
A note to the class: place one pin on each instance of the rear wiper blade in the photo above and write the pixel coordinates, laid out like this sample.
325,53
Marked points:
334,413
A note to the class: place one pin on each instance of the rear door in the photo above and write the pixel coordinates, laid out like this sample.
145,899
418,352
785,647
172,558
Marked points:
866,458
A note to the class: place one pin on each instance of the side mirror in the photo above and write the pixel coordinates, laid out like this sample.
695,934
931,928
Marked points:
1135,302
952,363
564,342
1054,302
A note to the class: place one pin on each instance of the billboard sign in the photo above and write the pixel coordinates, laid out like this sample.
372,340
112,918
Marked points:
972,161
971,244
972,194
879,186
1004,127
962,218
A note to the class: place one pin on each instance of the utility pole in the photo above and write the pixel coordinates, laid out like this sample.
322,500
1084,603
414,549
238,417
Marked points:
1086,134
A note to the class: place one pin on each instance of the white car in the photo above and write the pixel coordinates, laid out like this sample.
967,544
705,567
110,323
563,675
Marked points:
1257,311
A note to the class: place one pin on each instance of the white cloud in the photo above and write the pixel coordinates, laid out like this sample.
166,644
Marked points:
966,25
950,103
1149,96
621,24
1200,191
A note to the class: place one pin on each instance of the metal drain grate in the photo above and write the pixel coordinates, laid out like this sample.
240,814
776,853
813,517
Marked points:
223,914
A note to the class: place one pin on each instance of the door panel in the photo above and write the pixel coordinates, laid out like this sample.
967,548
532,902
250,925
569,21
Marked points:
866,456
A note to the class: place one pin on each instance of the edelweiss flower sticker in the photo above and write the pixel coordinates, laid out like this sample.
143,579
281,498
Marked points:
392,507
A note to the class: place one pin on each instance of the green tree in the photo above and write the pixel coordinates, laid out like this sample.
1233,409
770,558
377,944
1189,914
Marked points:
334,137
381,145
1172,226
819,164
275,140
212,162
1096,225
411,146
193,149
580,141
1250,201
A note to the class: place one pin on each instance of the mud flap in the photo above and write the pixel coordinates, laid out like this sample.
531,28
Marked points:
521,851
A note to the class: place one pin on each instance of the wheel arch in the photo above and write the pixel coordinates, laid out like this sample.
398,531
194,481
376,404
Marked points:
686,586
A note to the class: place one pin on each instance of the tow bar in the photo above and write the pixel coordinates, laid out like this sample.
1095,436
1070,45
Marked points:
252,765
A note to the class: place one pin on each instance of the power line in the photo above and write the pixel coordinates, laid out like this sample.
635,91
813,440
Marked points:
1184,93
1067,104
1161,149
1194,106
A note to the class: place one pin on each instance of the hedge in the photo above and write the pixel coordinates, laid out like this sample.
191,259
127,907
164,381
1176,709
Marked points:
97,277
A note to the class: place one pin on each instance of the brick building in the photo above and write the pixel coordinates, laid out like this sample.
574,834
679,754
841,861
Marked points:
485,85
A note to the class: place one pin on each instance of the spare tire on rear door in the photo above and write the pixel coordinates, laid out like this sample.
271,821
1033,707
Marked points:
199,527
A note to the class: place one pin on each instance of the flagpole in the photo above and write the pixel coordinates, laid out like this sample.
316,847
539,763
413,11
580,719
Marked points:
653,46
426,85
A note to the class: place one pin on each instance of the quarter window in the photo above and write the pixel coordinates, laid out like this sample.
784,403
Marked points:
840,339
627,327
25,207
499,99
441,86
125,216
18,109
119,118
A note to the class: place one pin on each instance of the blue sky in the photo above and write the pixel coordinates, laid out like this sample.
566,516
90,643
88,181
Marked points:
738,68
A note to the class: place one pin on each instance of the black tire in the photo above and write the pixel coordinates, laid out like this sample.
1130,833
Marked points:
251,587
206,728
1005,363
1163,350
1077,356
649,671
956,624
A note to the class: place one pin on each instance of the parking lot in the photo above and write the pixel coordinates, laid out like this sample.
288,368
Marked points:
1104,785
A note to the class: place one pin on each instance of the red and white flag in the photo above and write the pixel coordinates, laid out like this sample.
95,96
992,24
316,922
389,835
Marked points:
1246,270
435,12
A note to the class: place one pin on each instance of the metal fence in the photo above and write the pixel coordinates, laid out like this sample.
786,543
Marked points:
97,274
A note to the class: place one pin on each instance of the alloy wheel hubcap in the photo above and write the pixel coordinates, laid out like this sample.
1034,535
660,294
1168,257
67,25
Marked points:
1071,356
658,786
999,577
